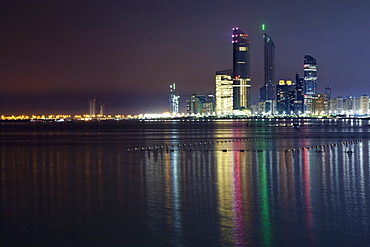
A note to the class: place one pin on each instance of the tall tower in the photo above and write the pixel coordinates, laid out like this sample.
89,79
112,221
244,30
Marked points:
102,109
328,92
269,66
92,107
299,94
174,99
241,70
310,75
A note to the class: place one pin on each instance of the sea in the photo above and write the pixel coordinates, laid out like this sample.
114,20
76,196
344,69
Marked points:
186,182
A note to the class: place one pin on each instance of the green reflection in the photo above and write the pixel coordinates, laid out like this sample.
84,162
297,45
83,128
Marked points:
264,201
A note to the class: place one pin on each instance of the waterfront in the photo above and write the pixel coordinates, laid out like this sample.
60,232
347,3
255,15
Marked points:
203,183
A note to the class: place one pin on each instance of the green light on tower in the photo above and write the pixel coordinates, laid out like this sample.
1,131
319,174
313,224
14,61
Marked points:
263,27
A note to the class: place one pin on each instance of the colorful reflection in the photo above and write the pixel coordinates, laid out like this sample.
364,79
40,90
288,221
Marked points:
307,195
252,194
266,231
239,229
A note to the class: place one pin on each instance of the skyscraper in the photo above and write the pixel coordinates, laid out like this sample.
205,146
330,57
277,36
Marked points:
299,94
328,92
202,104
102,109
267,92
174,99
364,105
241,70
92,107
224,92
310,75
285,95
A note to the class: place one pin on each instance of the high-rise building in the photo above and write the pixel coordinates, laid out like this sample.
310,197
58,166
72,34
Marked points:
351,105
320,104
328,92
188,107
102,109
267,92
316,104
202,104
336,106
285,95
299,94
224,92
310,75
174,99
241,70
364,105
92,107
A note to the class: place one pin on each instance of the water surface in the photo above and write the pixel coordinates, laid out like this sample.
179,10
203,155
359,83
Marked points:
204,183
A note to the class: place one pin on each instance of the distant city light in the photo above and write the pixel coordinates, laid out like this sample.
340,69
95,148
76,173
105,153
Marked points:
156,115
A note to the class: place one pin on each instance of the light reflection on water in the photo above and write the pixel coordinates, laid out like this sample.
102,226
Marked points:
87,190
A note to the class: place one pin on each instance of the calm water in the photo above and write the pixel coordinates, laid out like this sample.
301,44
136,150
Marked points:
224,183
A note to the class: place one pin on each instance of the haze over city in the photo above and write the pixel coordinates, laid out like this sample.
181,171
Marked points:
56,54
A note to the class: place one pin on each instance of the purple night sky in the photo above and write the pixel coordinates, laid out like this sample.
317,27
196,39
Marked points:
56,54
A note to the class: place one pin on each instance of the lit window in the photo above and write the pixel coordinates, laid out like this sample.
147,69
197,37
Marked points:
242,48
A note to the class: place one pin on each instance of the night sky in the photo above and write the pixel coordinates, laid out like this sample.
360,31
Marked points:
56,54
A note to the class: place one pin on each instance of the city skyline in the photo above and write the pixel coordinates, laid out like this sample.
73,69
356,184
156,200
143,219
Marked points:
56,54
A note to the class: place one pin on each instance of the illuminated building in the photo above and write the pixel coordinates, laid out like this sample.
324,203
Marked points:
364,105
333,106
102,109
310,75
267,107
320,104
261,107
254,110
299,94
92,107
336,106
267,92
188,107
202,104
241,70
316,104
340,105
174,100
285,95
224,92
351,105
210,105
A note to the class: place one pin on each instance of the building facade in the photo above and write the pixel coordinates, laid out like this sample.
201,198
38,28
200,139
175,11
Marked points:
316,105
285,96
328,92
224,92
241,70
299,95
336,106
202,104
364,105
351,105
310,75
267,92
92,107
174,100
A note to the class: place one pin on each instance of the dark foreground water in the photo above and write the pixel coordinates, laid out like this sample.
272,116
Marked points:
224,183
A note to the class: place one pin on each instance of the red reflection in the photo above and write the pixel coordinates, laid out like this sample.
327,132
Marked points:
307,195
